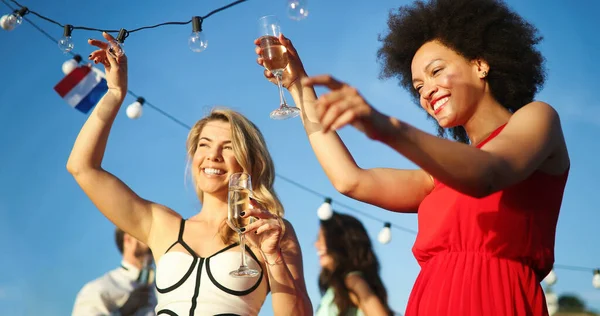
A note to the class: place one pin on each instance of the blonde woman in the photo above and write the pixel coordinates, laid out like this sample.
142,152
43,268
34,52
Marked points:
194,256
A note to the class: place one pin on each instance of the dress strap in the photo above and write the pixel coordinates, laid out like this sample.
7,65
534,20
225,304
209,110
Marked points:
181,228
179,237
492,135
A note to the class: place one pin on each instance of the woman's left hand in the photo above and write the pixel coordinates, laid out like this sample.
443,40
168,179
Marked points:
344,105
264,233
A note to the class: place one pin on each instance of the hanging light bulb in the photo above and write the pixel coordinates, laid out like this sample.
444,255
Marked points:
385,234
197,40
550,279
325,211
134,110
116,47
551,302
71,64
596,279
65,44
8,22
297,9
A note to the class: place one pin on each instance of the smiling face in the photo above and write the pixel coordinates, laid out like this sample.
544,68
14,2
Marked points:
450,86
325,260
214,159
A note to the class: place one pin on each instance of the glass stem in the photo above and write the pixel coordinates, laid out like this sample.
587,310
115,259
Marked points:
243,245
279,85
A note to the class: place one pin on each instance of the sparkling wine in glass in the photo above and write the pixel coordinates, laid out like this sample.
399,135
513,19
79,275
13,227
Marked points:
240,191
275,57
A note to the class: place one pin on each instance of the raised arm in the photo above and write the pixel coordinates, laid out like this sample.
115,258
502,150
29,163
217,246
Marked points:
531,140
110,195
284,267
283,261
392,189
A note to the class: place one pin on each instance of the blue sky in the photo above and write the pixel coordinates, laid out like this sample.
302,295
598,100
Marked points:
53,240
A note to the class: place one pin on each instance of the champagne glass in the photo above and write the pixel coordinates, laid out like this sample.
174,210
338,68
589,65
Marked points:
275,58
240,190
147,272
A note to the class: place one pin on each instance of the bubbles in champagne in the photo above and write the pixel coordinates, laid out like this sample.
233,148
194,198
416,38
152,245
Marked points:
297,9
274,53
239,200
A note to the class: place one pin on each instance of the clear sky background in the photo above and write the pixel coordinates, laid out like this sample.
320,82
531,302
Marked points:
53,240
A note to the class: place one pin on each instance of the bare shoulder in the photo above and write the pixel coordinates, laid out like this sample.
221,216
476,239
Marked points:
353,279
357,284
536,122
537,125
540,110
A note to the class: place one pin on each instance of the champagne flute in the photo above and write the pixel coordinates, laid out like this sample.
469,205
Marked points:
240,190
146,276
275,59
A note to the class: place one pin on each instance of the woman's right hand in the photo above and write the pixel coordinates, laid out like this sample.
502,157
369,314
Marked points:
115,68
293,72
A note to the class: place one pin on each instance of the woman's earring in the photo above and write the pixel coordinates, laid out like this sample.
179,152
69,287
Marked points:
484,74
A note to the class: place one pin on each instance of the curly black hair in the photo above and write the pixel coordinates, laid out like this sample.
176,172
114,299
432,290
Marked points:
475,29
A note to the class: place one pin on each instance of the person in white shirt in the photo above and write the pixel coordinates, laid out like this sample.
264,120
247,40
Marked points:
126,290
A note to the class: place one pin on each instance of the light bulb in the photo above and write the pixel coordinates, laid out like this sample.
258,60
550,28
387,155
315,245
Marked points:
197,40
8,22
551,302
596,279
65,43
134,110
297,9
71,64
325,211
116,47
385,234
550,279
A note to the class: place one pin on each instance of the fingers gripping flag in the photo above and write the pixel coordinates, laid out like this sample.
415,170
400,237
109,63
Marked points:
82,88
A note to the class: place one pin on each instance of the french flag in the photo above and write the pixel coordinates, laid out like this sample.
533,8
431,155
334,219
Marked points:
82,88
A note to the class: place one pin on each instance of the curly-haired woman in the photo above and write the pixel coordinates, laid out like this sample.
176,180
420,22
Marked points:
488,202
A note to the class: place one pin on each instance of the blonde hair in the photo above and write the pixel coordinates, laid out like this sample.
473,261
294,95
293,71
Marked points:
251,153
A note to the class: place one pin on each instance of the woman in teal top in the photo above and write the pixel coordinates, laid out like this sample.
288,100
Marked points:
349,281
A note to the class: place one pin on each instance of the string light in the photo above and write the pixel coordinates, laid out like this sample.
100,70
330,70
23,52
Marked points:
385,234
9,22
297,9
116,47
325,212
551,301
134,110
71,64
596,279
551,278
197,40
65,44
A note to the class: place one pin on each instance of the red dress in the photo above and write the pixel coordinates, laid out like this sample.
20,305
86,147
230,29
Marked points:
486,256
